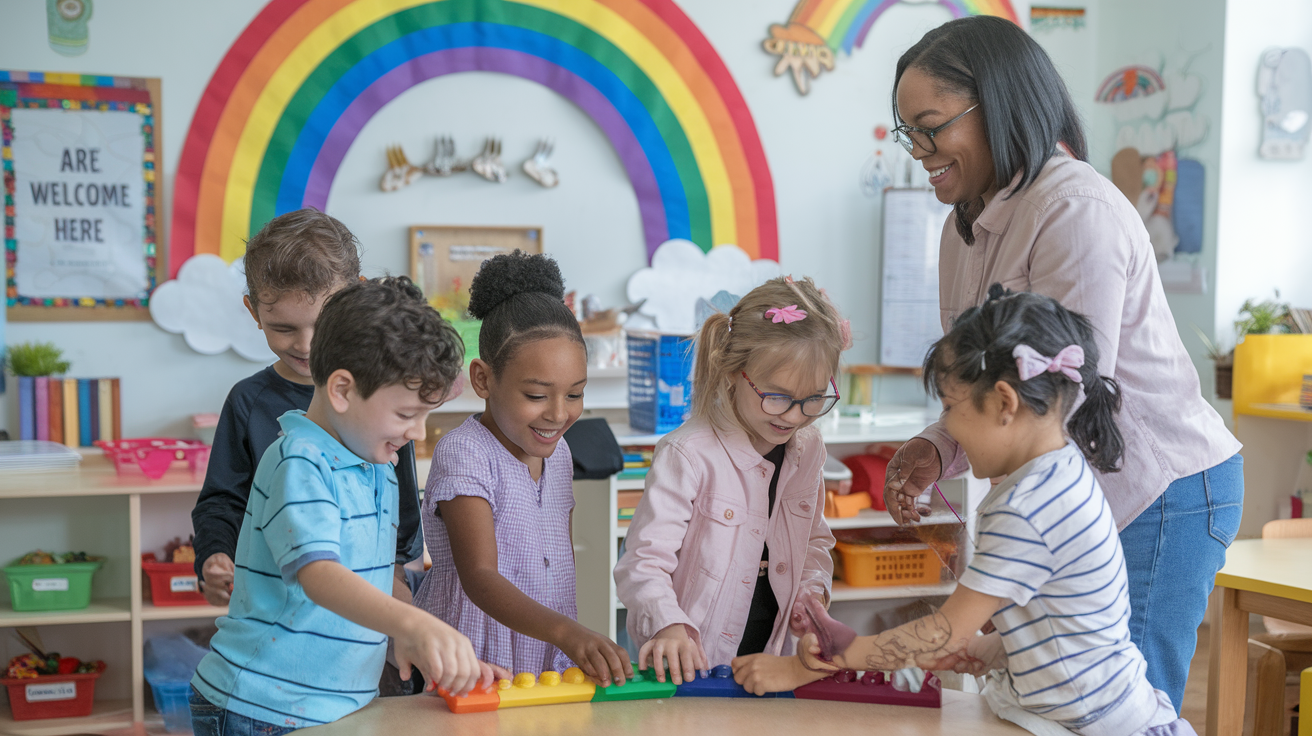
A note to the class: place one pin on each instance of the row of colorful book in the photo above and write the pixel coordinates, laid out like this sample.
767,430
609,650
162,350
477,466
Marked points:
637,459
74,411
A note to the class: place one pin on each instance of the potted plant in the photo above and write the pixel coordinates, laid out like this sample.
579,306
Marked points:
1262,318
1224,362
32,359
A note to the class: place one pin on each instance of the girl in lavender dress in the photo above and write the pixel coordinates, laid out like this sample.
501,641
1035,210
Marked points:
499,497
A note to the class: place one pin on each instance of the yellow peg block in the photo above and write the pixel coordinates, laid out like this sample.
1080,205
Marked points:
549,687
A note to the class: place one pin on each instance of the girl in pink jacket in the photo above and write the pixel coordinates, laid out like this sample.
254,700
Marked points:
729,534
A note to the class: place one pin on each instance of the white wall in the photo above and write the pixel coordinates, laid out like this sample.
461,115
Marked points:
1136,32
1265,242
816,147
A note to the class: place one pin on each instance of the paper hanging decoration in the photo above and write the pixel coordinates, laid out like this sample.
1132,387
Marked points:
681,274
1156,110
305,76
204,305
809,42
1050,19
66,24
1284,82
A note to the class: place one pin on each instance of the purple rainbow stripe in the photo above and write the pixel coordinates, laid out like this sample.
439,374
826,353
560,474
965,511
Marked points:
525,66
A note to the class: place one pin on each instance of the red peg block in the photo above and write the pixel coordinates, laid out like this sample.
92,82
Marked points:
872,688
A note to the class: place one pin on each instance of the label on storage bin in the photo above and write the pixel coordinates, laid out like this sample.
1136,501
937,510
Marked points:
47,585
51,691
184,584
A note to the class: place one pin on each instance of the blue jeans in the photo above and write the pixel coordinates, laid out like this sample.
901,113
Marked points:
208,719
1173,551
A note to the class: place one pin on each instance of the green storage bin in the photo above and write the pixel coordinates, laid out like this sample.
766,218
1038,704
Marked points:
62,587
469,329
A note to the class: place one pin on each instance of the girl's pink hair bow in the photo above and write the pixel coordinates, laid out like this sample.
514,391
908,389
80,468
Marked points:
1031,363
787,315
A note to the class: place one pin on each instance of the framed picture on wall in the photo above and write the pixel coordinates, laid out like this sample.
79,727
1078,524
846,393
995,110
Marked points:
83,195
444,258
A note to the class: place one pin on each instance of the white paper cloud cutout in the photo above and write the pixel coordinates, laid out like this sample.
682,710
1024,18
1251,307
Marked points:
204,305
1177,131
680,273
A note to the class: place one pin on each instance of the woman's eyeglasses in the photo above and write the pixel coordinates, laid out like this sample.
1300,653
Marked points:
780,404
910,136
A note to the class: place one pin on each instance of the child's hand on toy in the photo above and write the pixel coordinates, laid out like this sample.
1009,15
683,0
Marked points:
810,617
217,573
602,660
765,673
490,673
809,655
914,467
442,654
673,644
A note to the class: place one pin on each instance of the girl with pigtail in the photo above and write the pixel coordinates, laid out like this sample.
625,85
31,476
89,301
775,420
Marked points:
1048,570
729,535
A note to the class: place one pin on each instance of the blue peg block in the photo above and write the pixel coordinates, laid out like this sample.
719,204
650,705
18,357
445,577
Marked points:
719,683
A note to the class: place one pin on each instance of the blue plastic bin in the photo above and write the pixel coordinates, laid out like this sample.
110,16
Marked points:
170,663
660,380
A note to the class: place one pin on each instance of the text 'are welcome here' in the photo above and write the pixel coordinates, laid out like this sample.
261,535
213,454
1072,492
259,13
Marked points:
79,194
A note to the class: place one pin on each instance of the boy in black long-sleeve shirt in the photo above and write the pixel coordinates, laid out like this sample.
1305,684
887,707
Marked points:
293,265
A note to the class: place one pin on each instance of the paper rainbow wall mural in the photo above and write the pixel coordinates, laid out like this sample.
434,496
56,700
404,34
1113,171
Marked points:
295,89
818,29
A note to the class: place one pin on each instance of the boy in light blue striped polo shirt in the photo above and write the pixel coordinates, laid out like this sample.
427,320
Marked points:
306,633
1049,572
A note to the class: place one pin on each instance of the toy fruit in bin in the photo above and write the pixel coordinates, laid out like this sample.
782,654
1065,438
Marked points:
172,583
153,456
868,471
58,687
42,581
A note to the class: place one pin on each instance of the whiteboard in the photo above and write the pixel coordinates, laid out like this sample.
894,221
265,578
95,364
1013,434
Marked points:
909,311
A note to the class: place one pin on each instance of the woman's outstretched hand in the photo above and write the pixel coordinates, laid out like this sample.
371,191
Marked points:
913,468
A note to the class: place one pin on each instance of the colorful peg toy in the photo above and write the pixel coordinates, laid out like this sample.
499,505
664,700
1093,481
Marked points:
574,687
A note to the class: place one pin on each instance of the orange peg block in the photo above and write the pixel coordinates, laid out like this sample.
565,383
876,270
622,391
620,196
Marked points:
479,700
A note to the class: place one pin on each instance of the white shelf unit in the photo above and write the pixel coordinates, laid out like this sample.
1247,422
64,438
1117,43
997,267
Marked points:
597,531
95,510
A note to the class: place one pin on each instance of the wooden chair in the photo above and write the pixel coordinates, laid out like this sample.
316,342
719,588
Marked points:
1264,700
1292,642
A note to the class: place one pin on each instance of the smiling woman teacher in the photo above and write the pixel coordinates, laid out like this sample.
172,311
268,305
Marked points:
981,107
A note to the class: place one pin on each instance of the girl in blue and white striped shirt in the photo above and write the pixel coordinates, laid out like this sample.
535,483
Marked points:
1048,572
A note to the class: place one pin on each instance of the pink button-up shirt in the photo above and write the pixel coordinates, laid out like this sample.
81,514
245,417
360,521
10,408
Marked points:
693,550
1073,236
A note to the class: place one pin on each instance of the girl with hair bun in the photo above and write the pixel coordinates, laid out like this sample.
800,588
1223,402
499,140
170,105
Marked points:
499,497
730,536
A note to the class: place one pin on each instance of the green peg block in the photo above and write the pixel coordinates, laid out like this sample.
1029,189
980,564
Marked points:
643,686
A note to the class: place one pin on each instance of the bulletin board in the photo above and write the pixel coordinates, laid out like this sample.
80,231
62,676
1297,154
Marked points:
909,309
82,195
444,258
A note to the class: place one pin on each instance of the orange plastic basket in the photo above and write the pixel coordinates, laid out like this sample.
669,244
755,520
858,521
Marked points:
878,565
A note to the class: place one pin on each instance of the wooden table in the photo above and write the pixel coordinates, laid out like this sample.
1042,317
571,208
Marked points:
425,715
1272,577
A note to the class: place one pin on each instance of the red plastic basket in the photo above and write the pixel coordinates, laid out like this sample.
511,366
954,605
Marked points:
154,455
171,583
51,696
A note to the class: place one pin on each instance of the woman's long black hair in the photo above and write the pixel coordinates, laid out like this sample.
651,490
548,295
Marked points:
1027,110
977,352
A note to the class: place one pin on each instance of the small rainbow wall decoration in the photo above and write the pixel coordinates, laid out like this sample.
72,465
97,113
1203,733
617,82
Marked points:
844,24
298,85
